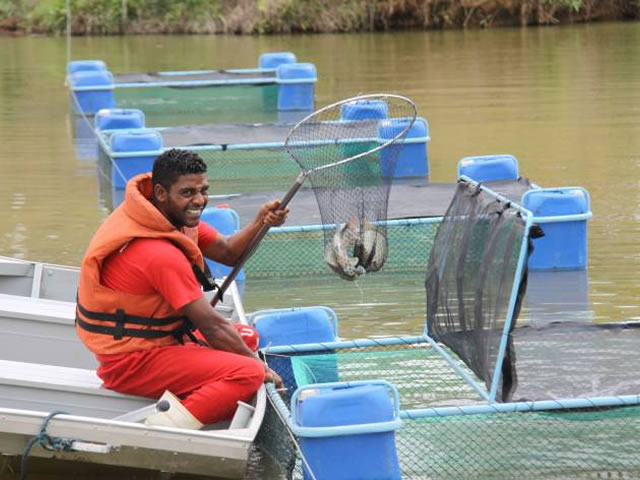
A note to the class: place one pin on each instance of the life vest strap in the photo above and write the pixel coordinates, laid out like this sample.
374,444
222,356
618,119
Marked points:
204,277
120,317
118,332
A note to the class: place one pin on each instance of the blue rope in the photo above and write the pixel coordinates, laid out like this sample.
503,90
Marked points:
46,441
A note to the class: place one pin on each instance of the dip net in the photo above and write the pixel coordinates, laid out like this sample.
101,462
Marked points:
349,151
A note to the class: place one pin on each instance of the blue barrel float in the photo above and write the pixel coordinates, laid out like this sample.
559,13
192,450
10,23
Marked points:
133,152
487,168
347,430
110,120
85,66
562,213
296,326
359,111
118,119
296,86
412,160
271,61
226,221
91,89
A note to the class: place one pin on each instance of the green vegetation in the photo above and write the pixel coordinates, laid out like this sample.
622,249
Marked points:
282,16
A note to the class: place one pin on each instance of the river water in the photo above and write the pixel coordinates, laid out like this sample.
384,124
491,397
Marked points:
564,100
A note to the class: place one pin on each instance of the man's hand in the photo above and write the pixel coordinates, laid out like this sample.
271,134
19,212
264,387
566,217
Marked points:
272,215
227,250
271,376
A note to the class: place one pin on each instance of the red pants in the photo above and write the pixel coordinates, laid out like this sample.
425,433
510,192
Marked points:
209,382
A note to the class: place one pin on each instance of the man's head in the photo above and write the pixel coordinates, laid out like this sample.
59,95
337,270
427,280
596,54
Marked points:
180,186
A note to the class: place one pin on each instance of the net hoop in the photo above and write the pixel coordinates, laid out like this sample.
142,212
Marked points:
288,146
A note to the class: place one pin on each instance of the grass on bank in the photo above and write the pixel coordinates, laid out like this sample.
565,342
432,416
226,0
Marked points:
91,17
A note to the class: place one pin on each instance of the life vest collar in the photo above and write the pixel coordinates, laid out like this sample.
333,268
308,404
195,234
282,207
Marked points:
139,207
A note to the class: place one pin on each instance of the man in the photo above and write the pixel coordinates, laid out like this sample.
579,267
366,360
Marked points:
139,297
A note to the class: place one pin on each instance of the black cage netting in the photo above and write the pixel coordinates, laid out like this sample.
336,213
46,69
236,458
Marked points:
470,278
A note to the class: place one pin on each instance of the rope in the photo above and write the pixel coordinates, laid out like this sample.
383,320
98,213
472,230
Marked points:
68,29
294,439
46,441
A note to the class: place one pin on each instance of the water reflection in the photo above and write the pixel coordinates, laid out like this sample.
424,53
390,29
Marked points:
557,296
84,139
565,101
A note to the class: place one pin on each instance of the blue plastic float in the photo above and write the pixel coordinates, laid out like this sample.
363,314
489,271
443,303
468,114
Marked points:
346,430
225,221
561,212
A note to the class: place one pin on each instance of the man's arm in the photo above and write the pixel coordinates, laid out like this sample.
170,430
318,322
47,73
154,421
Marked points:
217,331
227,250
220,334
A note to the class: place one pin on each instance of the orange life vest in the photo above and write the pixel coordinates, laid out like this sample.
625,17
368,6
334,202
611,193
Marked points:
108,321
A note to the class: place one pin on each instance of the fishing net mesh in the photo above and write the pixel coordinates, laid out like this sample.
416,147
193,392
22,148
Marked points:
165,106
564,443
349,151
249,170
471,271
409,244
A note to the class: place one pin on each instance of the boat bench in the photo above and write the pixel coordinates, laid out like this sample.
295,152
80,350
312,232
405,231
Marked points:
78,391
37,330
47,388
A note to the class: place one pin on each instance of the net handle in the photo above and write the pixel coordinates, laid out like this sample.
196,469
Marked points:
256,240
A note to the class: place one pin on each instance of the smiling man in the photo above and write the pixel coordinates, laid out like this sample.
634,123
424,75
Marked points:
139,298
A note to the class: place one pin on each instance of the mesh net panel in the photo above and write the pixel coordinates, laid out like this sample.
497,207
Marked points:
469,281
350,160
164,106
565,443
182,79
298,252
567,359
251,170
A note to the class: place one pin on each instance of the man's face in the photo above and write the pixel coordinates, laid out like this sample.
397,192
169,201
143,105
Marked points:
186,199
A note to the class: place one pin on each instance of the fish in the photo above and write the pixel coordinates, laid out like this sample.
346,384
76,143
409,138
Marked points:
337,253
372,248
354,251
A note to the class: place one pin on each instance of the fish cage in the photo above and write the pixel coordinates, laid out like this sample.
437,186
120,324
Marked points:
278,84
478,392
241,158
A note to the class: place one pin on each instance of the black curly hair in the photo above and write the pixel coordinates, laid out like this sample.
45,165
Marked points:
170,165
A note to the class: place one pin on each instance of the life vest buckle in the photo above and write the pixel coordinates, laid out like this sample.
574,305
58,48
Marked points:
119,328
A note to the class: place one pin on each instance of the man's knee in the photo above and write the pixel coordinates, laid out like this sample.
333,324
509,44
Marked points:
254,372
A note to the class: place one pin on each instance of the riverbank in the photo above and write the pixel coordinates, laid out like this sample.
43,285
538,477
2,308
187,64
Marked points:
100,17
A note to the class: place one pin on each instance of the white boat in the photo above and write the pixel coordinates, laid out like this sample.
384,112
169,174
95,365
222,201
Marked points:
44,368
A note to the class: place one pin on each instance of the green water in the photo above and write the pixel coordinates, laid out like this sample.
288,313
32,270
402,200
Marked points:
564,100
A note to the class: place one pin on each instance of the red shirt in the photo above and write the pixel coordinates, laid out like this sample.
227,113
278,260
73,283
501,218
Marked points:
147,265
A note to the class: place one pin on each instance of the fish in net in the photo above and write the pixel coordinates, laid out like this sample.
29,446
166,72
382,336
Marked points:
348,150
